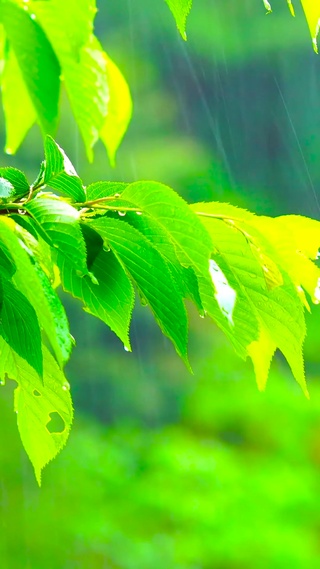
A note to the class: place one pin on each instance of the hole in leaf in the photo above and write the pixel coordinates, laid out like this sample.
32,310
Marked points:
56,424
36,393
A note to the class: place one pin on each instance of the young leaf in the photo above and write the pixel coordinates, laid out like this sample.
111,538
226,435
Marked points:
38,406
150,273
17,179
111,299
59,172
180,10
19,326
38,63
278,310
36,288
59,221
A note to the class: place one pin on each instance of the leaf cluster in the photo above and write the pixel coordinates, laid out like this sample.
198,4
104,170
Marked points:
46,46
110,242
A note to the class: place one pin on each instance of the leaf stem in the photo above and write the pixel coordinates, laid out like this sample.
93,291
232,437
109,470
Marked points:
114,207
97,201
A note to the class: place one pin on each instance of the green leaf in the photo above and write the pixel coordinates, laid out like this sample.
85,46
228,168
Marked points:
101,101
180,10
312,14
94,243
278,310
59,172
38,406
151,275
17,179
19,111
6,190
69,29
26,223
31,283
38,63
100,190
7,265
297,241
63,340
19,326
119,110
59,221
174,225
111,299
170,225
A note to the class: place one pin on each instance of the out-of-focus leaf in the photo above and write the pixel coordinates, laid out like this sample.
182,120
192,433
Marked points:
312,12
37,61
180,10
19,111
100,100
119,110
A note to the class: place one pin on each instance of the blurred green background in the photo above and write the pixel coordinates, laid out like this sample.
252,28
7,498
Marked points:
165,470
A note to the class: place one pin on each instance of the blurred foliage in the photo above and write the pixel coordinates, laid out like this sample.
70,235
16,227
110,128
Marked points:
232,485
164,469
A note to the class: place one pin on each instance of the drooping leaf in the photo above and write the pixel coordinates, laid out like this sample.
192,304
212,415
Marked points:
278,310
60,324
173,223
17,179
171,226
312,12
37,61
111,299
119,110
19,111
31,283
180,10
19,326
151,275
59,221
38,405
